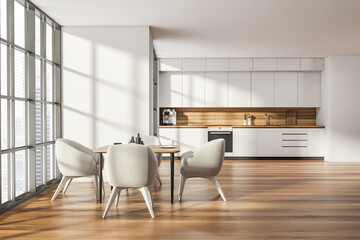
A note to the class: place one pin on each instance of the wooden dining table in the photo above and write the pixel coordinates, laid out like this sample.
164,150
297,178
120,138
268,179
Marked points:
156,148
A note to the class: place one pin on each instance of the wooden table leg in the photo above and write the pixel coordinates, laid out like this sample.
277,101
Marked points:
100,177
172,176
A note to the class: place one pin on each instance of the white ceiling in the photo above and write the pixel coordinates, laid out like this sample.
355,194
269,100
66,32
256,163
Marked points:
226,28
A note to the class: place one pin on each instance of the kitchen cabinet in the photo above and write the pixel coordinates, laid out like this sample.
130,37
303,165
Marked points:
193,64
285,89
217,64
245,142
241,64
265,64
312,64
239,89
269,142
189,139
193,91
216,89
170,89
262,89
288,64
309,89
316,142
170,64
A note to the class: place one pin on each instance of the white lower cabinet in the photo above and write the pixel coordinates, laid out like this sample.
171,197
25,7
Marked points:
269,143
254,142
188,138
245,142
316,142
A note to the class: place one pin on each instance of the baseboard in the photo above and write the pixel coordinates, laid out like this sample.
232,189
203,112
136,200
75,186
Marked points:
263,158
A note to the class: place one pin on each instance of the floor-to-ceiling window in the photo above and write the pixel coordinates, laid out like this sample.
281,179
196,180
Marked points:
30,109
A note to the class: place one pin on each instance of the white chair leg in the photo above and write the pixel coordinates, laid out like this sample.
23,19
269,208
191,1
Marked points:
113,194
103,186
118,198
181,187
67,185
147,199
150,197
158,178
217,186
96,186
61,185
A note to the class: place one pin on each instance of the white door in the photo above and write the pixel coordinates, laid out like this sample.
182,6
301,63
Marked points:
239,89
170,89
285,89
269,142
262,94
316,142
193,91
309,89
216,89
245,142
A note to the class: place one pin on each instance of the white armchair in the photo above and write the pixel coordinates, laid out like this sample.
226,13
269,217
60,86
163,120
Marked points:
153,140
205,162
75,160
131,166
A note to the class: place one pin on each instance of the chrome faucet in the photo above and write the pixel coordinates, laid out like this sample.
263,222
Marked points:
267,119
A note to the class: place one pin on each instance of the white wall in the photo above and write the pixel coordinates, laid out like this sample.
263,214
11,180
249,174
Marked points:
107,73
340,111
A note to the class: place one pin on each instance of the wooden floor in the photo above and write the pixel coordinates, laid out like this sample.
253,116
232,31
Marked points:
266,200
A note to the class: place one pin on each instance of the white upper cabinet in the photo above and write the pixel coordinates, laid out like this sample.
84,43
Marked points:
194,64
241,64
285,89
309,89
217,64
170,64
312,64
288,64
170,89
262,89
216,89
239,89
193,89
265,64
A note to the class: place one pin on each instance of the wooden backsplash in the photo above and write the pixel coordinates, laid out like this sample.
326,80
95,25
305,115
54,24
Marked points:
235,116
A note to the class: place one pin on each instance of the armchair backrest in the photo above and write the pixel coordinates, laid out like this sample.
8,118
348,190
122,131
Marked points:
131,165
74,159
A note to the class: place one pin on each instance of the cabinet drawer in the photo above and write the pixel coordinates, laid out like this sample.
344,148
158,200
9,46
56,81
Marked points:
294,151
294,143
302,137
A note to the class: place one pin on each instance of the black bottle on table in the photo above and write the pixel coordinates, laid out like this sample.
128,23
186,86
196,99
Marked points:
138,139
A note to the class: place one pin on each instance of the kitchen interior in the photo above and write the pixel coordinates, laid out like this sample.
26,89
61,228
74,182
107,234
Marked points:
262,107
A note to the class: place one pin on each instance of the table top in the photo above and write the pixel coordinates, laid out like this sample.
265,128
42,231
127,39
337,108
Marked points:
155,148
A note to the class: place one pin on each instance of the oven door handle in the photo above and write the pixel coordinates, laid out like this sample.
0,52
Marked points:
220,133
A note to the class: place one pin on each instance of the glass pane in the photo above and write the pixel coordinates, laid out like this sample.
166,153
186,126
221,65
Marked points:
3,20
20,170
49,82
37,79
49,42
4,124
19,24
4,178
38,126
20,123
38,166
37,35
19,74
49,162
49,122
3,69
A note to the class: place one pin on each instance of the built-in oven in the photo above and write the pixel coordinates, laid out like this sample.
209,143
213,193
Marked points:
225,132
